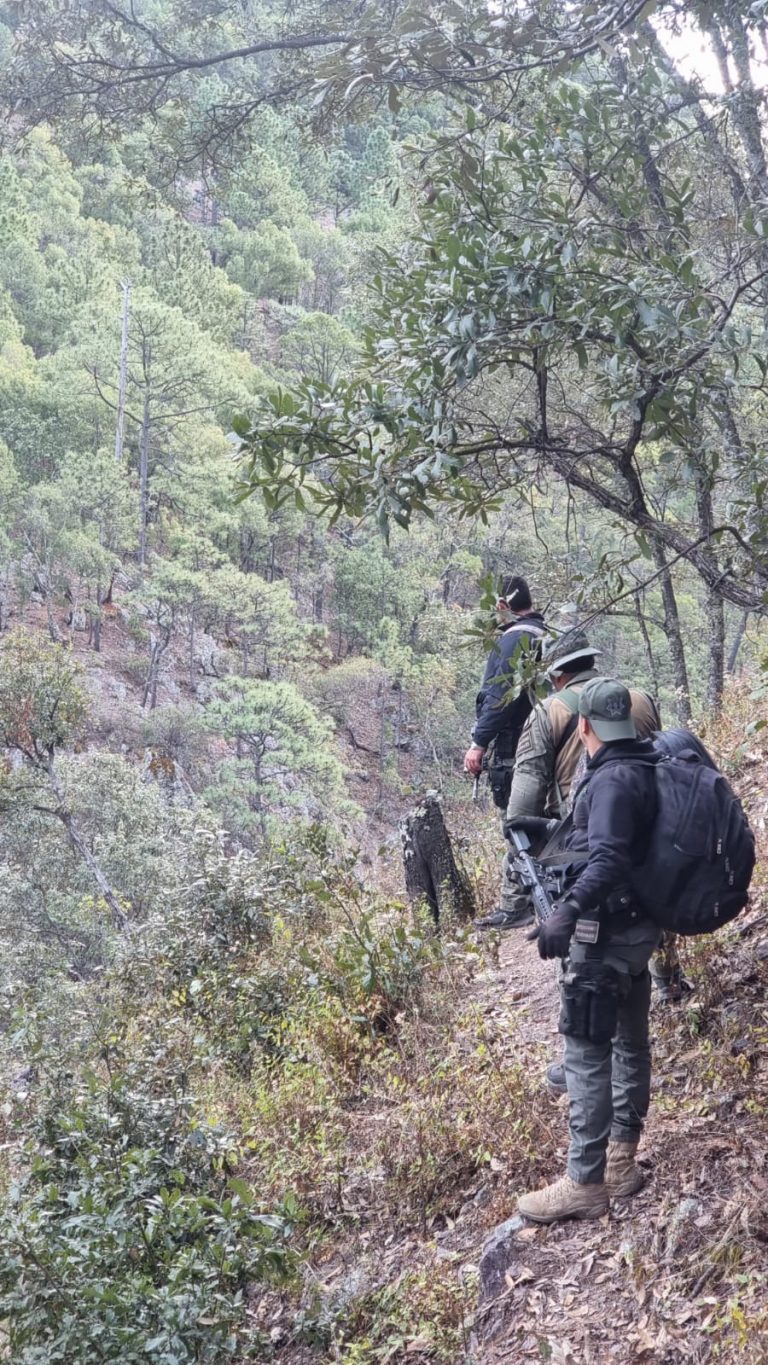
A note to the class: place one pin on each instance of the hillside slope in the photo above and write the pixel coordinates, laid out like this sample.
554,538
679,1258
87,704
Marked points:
674,1275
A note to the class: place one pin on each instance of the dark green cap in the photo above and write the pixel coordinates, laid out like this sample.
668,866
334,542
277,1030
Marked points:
607,706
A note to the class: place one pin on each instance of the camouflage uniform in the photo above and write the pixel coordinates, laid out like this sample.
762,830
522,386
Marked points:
545,766
666,969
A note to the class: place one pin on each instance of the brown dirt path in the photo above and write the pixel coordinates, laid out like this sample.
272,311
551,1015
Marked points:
652,1281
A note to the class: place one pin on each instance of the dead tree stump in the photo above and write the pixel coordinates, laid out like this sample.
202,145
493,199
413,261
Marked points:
431,870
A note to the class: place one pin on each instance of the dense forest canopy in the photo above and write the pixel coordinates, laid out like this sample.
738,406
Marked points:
567,300
316,320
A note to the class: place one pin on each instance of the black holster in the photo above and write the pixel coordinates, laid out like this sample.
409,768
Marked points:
501,765
500,783
589,1002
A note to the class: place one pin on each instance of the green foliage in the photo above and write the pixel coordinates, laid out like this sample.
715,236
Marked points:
52,919
43,704
285,759
76,529
264,260
318,347
419,1311
131,1238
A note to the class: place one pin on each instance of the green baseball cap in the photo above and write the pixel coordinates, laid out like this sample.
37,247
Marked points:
607,706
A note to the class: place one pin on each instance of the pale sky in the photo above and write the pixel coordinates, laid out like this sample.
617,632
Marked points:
692,52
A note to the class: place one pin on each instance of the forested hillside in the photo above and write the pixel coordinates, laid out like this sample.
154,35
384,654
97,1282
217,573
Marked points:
314,323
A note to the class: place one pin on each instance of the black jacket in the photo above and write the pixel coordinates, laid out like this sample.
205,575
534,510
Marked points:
495,716
612,821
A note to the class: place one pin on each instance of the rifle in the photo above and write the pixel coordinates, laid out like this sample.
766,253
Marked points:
478,777
531,875
546,882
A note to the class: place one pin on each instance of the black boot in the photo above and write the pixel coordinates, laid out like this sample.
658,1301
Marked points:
505,919
556,1079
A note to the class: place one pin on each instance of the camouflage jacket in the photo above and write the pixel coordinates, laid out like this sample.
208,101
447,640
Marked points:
544,773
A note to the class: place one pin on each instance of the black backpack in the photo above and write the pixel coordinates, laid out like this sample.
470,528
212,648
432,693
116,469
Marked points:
699,864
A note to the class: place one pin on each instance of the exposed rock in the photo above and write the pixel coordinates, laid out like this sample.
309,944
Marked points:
478,1200
685,1212
329,1300
210,658
498,1254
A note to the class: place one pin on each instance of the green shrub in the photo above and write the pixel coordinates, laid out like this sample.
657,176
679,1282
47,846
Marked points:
129,1238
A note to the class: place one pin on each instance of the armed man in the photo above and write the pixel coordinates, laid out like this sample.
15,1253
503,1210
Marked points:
501,707
549,757
606,989
549,752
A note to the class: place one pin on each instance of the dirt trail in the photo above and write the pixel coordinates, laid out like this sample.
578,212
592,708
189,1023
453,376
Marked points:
649,1282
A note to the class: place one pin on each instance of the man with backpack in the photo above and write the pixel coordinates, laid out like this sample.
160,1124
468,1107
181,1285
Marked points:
665,845
502,707
549,758
608,939
549,752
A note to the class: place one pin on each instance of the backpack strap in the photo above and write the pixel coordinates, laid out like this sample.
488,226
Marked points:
567,732
654,705
571,699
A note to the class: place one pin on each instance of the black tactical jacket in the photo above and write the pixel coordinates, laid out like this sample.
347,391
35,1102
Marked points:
612,820
494,715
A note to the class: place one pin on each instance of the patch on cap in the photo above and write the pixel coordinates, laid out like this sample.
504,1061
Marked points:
607,705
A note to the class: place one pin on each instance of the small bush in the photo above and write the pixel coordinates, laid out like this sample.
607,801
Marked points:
130,1239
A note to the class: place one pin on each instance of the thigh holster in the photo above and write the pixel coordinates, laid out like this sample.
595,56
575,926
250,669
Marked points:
589,1002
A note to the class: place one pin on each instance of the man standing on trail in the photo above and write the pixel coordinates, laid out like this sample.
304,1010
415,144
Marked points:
549,752
501,707
606,989
549,757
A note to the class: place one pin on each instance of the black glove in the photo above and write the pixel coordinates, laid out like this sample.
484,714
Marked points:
554,935
535,826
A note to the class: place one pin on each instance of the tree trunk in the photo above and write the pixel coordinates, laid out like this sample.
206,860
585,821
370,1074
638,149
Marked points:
715,606
123,371
96,622
258,800
733,654
158,646
191,654
52,627
647,646
674,634
716,676
144,480
431,871
119,918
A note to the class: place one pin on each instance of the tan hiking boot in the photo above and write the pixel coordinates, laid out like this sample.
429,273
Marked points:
622,1174
564,1199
